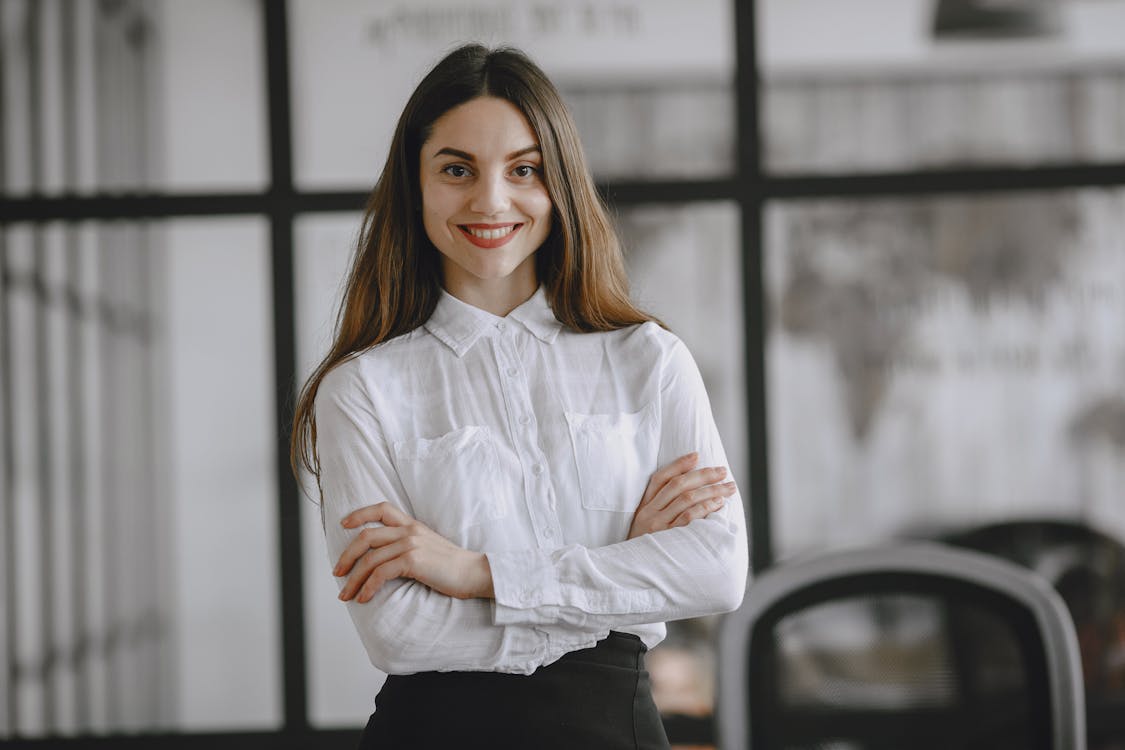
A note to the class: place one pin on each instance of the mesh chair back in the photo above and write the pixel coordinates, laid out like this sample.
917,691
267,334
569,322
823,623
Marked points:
912,646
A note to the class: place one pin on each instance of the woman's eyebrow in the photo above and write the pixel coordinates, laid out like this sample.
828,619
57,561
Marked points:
449,151
533,148
455,152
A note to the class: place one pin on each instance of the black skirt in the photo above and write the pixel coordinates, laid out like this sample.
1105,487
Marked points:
598,697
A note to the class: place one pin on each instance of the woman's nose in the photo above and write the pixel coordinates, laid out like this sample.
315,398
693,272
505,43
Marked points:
490,197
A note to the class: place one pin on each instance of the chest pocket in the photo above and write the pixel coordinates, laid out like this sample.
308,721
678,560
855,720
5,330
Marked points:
451,479
616,455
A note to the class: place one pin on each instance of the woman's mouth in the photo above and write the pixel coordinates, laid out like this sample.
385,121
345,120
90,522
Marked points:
489,235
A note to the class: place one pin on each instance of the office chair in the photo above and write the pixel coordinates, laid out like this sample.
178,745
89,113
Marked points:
1087,569
905,646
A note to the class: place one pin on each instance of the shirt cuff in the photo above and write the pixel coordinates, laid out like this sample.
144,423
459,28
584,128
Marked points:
522,580
530,589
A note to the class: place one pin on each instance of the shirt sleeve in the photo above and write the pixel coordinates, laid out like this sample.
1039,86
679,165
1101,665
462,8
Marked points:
687,571
408,627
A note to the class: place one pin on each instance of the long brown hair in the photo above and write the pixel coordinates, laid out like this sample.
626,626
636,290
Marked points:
395,280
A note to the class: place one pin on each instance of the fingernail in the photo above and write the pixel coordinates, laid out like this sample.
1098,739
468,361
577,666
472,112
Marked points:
341,596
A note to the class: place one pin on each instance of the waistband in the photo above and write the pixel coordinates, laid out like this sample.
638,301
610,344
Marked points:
617,649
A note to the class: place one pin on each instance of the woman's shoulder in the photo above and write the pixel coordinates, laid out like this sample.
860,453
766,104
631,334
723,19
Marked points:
649,337
360,369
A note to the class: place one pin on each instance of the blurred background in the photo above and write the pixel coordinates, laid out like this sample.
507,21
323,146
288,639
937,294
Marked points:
892,232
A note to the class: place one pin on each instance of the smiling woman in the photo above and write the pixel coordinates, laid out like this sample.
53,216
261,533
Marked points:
520,475
484,206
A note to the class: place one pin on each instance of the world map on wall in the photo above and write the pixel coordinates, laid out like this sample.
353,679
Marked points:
942,347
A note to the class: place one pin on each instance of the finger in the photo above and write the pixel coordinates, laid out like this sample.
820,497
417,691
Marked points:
699,510
366,567
382,512
395,563
693,498
662,475
364,541
687,482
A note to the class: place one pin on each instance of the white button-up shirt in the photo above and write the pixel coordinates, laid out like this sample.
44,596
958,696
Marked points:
532,443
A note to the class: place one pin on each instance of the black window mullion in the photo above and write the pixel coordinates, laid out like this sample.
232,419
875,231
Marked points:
281,215
752,192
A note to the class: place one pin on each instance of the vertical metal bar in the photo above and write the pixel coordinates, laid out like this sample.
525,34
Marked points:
129,561
751,198
108,106
110,500
7,486
285,368
149,677
48,665
76,409
147,439
7,457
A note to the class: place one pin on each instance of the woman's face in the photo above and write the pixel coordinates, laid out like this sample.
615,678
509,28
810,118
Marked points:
484,204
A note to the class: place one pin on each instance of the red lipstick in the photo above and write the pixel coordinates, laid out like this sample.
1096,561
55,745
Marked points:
489,235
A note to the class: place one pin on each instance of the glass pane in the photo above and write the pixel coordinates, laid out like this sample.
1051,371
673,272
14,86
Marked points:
212,111
140,507
684,264
881,652
58,494
95,617
685,268
30,644
875,85
649,83
116,96
219,430
7,537
342,681
939,362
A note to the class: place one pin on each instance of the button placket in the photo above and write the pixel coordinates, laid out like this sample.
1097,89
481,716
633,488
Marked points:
536,476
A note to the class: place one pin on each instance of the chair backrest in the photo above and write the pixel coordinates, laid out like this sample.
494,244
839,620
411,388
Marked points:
900,646
1086,566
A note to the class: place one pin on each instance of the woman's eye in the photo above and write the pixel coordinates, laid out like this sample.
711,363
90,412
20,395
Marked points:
455,170
525,170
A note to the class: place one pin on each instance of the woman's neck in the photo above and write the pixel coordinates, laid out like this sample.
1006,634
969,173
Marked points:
497,296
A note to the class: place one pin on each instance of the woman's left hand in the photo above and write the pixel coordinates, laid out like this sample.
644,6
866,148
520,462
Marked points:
406,548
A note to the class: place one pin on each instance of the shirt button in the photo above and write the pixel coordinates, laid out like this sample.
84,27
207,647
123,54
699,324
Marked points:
537,469
500,326
525,420
547,533
512,372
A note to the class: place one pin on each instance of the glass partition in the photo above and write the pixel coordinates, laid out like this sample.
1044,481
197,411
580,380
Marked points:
342,682
221,482
649,82
893,85
942,362
115,96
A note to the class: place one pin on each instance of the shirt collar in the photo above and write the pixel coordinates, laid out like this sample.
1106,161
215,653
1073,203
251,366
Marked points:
458,324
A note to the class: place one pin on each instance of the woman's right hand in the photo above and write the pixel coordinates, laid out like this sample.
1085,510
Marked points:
676,495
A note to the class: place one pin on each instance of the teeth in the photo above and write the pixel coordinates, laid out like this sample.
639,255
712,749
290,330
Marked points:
491,234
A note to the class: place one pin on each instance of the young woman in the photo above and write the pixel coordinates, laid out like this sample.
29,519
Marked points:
506,448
